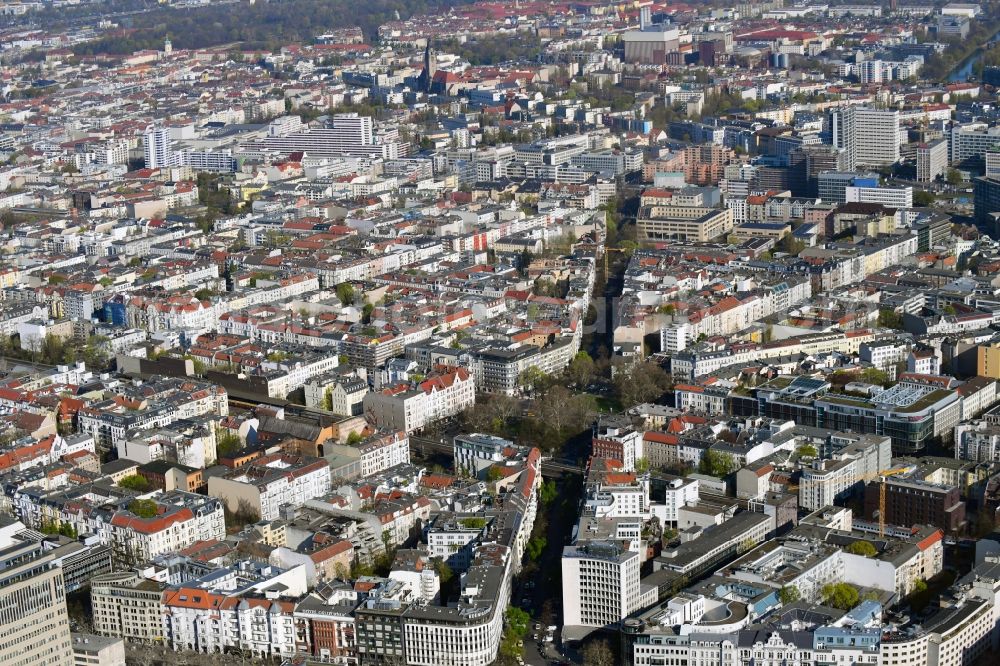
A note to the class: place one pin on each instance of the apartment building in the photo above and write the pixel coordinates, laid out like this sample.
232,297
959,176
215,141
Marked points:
616,439
150,405
610,492
476,452
339,394
127,605
978,441
499,369
411,408
384,450
181,519
271,482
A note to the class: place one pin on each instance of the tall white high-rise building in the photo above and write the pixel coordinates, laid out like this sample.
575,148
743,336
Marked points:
158,148
351,131
876,134
870,136
842,134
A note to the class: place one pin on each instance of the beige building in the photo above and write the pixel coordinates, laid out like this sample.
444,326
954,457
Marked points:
126,605
34,623
91,650
690,223
988,361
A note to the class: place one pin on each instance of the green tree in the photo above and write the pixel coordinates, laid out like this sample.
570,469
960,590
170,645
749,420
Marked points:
345,293
548,492
516,623
640,383
95,352
354,439
890,319
954,177
923,198
134,482
667,309
227,443
534,380
875,376
717,463
144,508
789,594
863,548
580,370
535,548
807,451
840,595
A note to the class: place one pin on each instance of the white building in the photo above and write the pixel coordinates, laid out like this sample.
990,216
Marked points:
600,583
412,408
271,482
932,160
678,494
890,197
158,148
382,451
674,338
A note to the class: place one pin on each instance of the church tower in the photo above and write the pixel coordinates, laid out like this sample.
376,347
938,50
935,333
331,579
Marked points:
430,67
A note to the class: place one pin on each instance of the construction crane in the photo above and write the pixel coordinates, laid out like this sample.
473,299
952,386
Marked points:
877,476
882,476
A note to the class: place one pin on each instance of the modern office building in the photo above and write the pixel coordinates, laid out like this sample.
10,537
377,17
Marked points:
842,133
832,185
34,623
348,133
972,140
986,198
910,413
869,135
877,136
600,583
932,160
683,223
890,197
